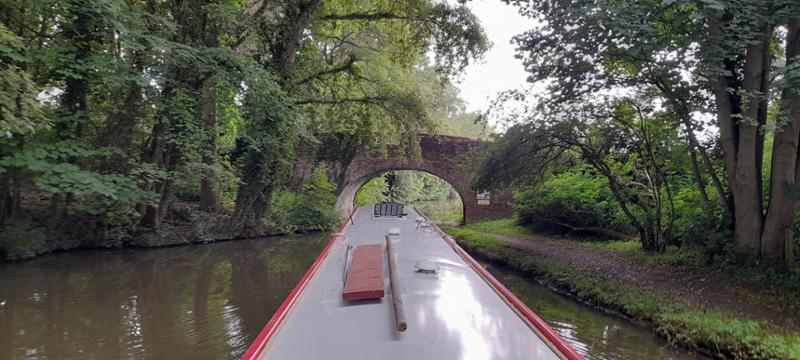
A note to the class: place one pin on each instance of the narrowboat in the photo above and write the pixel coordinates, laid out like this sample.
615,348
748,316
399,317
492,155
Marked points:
391,285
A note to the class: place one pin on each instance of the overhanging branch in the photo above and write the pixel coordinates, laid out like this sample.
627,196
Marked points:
362,100
366,16
348,66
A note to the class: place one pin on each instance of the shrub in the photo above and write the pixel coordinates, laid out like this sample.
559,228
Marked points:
577,197
21,241
707,229
164,235
310,210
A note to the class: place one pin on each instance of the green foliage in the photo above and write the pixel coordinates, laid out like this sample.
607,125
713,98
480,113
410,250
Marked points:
268,145
475,239
372,192
410,187
707,229
578,197
161,236
21,241
448,110
508,227
427,193
587,53
744,339
450,209
129,114
310,210
63,168
20,113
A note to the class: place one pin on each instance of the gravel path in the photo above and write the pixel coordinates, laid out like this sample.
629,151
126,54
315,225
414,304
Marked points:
709,288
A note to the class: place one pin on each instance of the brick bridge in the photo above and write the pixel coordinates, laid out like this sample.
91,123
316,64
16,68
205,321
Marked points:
444,156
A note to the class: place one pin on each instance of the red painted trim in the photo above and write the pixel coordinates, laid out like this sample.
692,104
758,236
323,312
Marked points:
564,349
258,346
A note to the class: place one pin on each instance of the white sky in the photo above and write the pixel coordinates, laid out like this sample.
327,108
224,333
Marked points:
499,70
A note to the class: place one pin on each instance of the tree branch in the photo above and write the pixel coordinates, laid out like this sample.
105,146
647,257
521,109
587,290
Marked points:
366,16
363,100
598,230
348,66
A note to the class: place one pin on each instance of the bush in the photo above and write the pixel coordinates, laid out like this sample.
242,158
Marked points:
164,235
21,241
310,210
577,197
707,229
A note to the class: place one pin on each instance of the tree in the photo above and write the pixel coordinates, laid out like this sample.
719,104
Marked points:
350,69
168,107
730,46
621,139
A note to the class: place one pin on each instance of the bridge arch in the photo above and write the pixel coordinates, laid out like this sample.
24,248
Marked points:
349,192
446,157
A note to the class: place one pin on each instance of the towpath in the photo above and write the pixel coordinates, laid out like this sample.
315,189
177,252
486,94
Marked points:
708,287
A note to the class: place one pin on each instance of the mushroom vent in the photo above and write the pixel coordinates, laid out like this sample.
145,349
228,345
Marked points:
393,232
427,267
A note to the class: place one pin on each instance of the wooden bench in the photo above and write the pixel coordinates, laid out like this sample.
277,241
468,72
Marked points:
365,275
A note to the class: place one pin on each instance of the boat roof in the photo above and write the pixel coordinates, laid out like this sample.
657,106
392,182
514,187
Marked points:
452,314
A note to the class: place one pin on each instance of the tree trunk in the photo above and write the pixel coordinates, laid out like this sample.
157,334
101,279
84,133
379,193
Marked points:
155,156
285,53
592,229
597,162
712,172
780,219
747,194
738,119
82,33
10,190
698,177
253,197
683,112
208,192
256,182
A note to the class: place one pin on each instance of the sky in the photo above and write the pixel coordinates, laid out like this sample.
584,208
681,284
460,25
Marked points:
499,70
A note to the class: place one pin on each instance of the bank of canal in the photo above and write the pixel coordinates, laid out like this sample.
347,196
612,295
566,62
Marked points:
210,301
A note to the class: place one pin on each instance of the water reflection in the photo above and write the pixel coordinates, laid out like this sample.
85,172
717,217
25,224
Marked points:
193,302
594,334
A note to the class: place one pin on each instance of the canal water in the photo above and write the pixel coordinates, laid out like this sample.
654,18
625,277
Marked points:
210,301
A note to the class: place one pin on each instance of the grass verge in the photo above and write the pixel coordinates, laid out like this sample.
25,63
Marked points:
680,322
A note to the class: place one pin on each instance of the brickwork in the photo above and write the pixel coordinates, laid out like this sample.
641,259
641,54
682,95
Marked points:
444,156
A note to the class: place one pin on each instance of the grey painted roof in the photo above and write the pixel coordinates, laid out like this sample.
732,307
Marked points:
453,314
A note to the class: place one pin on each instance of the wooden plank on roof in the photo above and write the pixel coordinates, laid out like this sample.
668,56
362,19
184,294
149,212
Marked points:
365,276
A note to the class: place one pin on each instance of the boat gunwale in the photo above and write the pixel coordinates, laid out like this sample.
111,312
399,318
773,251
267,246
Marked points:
259,345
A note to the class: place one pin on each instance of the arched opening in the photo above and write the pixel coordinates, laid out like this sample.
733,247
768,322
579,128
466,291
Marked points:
428,193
